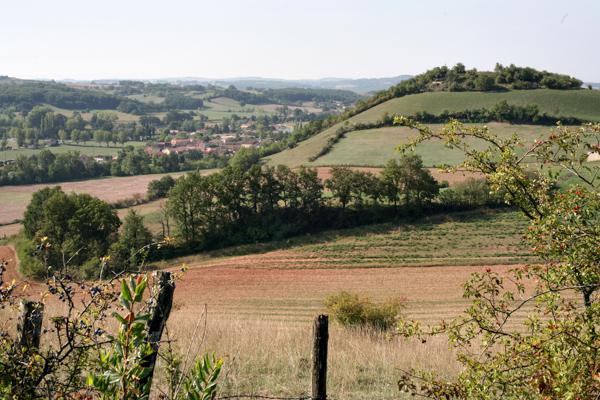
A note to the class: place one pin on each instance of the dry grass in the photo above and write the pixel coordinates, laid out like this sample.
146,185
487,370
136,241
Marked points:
266,357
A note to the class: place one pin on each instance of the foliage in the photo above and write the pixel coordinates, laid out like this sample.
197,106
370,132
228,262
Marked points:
551,353
203,379
471,193
350,309
500,112
301,95
133,247
77,224
407,179
159,188
248,204
245,158
46,167
26,94
80,357
120,368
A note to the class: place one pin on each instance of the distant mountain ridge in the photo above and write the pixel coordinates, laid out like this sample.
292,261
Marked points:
358,85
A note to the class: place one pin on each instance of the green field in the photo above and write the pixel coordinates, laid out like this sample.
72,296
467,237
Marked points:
487,237
224,107
374,147
583,104
147,98
90,149
123,117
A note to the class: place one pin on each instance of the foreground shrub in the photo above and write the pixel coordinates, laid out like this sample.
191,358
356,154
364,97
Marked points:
81,355
530,332
350,309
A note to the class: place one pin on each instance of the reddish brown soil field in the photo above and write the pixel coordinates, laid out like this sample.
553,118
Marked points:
431,293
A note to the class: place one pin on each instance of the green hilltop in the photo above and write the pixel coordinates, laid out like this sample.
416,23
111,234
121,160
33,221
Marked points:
437,91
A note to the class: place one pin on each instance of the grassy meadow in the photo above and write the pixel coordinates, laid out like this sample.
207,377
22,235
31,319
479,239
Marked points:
374,147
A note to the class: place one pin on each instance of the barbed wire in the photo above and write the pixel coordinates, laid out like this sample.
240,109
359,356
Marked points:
258,396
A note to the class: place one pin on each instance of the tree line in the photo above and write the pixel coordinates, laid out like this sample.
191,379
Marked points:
46,166
247,205
24,95
235,206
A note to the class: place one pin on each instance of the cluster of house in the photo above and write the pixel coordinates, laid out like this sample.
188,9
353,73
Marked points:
222,144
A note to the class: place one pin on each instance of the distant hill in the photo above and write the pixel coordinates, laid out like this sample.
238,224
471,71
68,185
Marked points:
361,85
25,94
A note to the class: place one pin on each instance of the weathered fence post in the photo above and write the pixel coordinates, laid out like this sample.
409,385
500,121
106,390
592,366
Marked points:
159,313
29,324
319,367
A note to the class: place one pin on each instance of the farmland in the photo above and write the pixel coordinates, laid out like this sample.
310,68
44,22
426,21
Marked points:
257,301
288,280
14,199
584,104
376,146
373,147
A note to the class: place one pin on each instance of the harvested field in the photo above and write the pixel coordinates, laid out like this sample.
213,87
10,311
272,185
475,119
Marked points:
296,295
423,262
9,230
14,199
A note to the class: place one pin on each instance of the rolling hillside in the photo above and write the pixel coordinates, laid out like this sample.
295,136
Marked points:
375,146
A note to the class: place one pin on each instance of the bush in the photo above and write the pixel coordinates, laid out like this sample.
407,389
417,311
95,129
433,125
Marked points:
159,188
350,309
471,193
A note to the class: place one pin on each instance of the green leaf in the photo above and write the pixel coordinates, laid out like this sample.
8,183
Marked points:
125,292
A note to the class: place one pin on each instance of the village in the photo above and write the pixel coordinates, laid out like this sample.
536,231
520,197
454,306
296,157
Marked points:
209,140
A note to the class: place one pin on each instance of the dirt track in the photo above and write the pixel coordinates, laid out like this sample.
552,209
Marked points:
25,286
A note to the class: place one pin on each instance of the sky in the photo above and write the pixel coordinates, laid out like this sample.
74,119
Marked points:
131,39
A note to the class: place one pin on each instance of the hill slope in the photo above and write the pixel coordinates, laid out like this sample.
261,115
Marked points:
584,104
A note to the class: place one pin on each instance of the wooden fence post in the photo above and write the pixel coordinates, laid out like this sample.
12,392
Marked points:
159,313
29,324
319,367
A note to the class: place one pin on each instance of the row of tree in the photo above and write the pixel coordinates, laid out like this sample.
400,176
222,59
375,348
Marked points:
240,205
47,166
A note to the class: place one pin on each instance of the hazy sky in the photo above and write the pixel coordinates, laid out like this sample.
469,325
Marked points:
87,39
